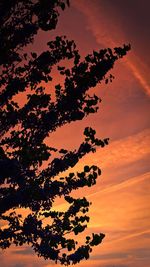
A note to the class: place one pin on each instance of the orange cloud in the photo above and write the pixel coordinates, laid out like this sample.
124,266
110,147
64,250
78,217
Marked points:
107,33
119,186
124,151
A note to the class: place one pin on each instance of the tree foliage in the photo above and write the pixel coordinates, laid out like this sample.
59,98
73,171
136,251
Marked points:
25,183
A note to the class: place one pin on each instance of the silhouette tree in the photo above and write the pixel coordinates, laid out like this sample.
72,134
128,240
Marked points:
25,182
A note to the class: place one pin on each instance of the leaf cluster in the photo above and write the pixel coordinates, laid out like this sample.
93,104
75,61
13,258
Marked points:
24,179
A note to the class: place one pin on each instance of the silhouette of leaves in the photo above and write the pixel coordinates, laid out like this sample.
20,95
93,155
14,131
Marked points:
26,183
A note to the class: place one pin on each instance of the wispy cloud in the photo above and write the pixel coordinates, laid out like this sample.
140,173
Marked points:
125,151
119,186
107,32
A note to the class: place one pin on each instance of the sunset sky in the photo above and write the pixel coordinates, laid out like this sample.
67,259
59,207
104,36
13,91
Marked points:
121,198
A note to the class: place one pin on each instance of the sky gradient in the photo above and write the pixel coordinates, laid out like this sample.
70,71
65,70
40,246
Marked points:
121,198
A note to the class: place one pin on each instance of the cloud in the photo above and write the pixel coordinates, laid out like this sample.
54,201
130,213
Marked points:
142,253
123,159
19,265
24,251
125,151
111,256
120,265
124,165
137,72
119,186
131,236
106,28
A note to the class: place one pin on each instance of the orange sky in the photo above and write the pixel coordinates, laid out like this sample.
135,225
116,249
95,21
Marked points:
121,196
